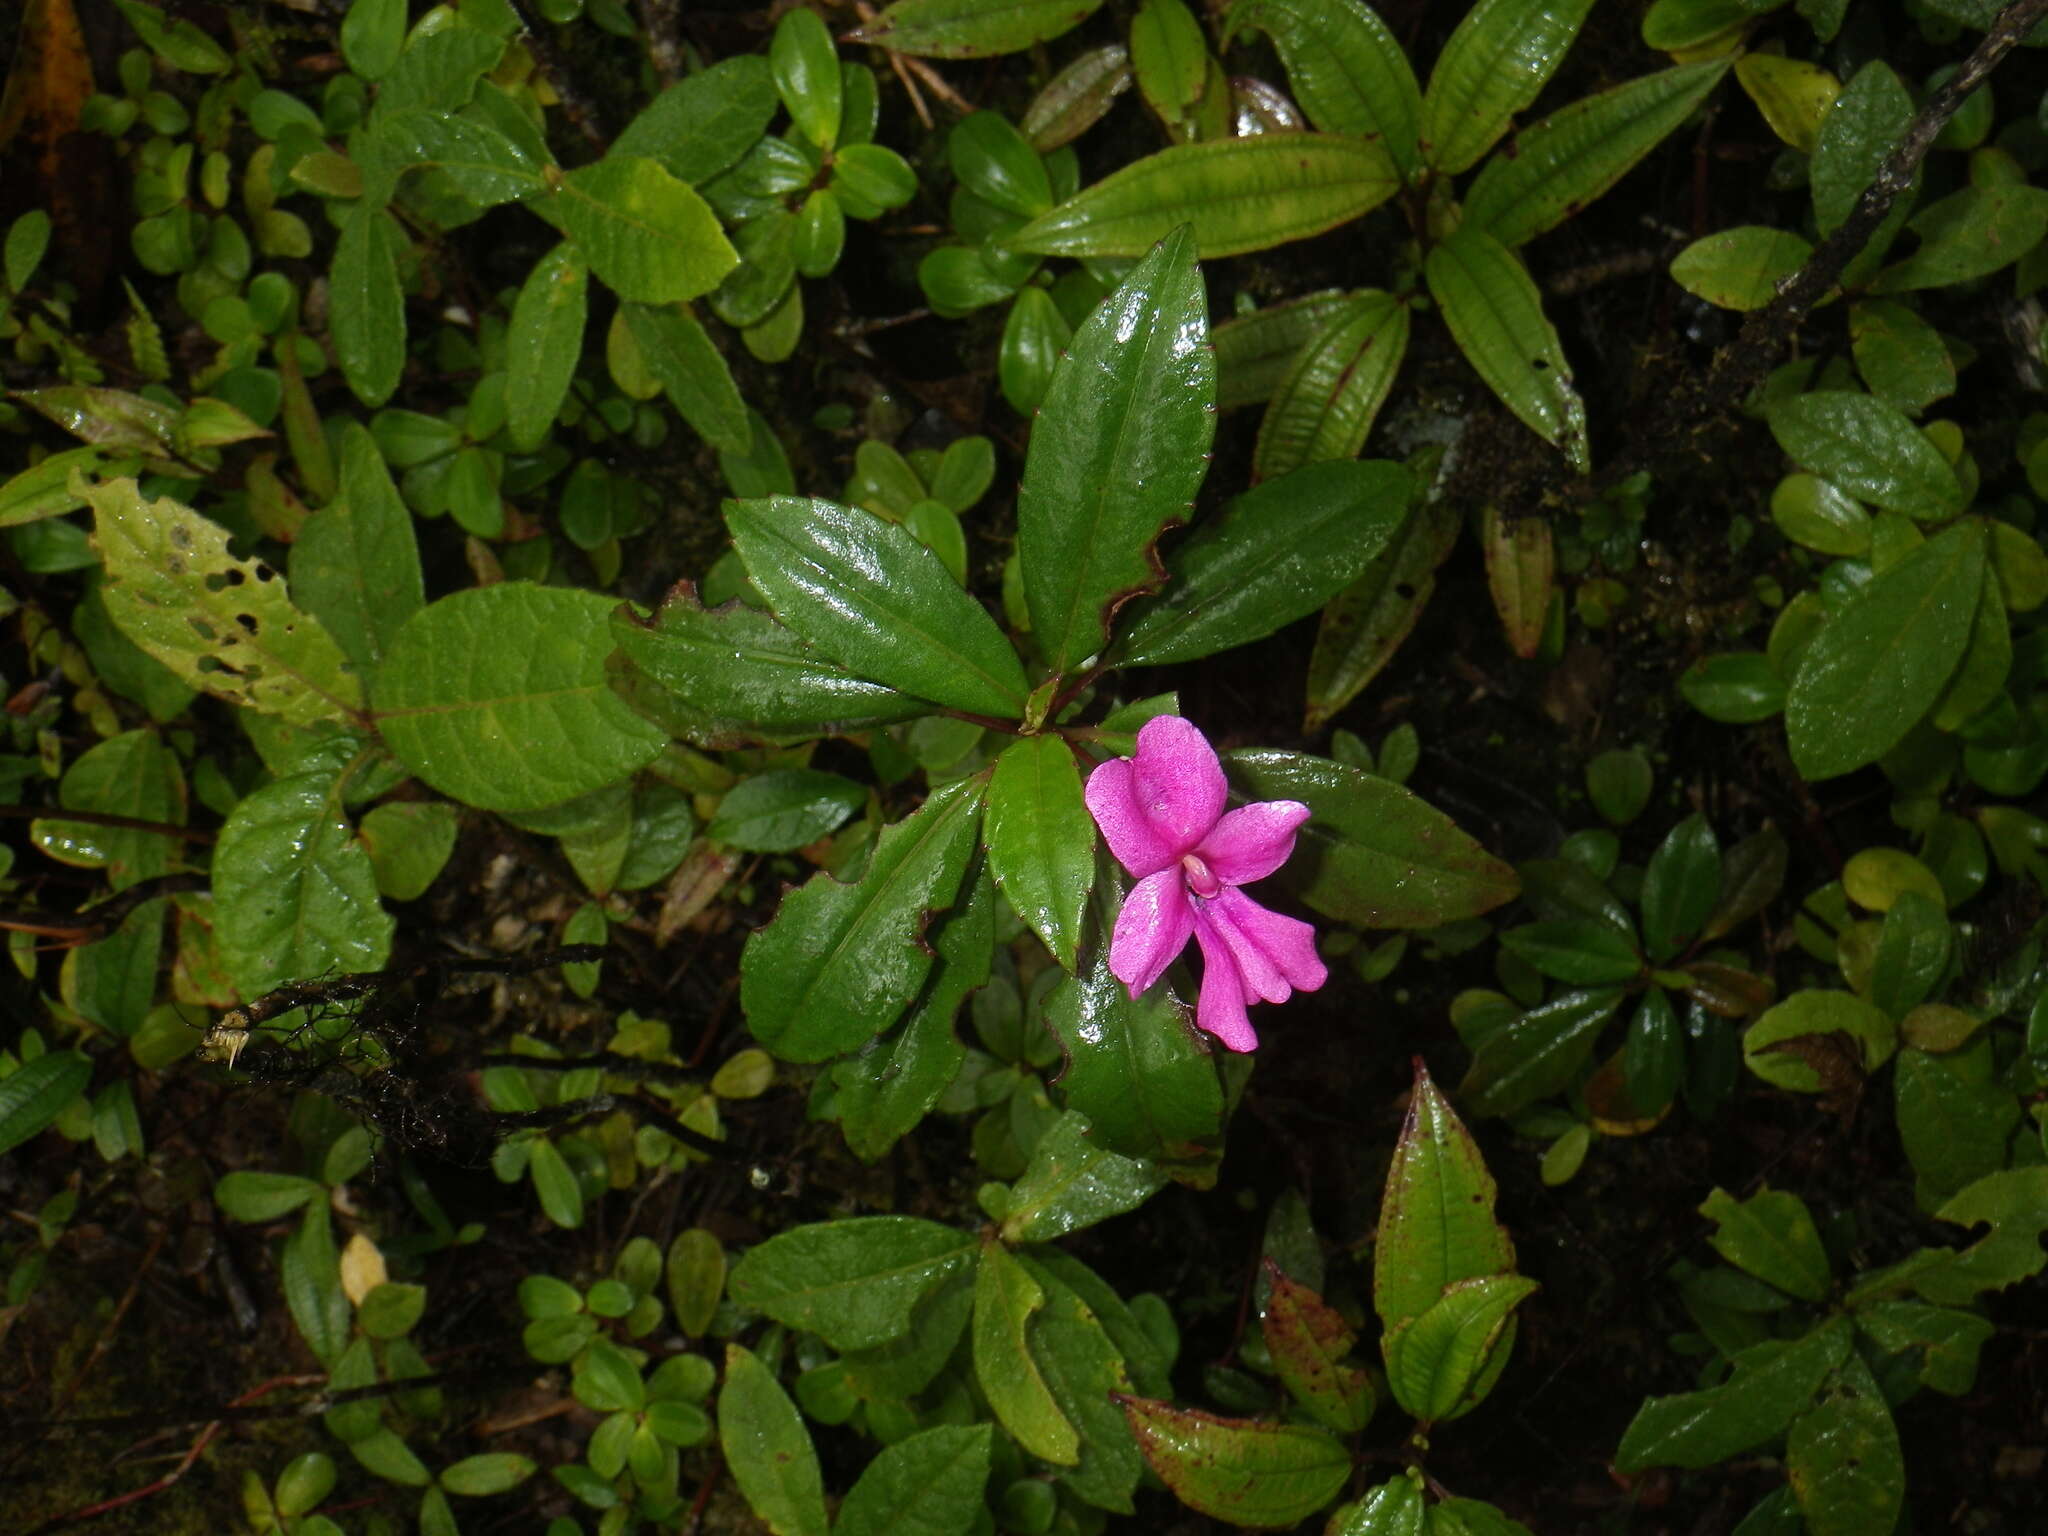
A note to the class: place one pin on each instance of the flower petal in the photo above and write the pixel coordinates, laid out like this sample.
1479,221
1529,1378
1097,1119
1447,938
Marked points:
1252,841
1151,930
1177,782
1221,1009
1273,952
1113,802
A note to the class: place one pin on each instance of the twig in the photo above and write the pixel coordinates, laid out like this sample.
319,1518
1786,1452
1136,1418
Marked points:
96,922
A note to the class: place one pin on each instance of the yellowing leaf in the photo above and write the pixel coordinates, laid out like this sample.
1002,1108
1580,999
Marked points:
1792,95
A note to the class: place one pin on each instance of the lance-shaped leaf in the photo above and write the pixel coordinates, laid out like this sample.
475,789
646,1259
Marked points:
840,963
1365,624
1440,1364
1005,1297
1347,69
1237,195
355,564
739,676
1309,1343
1041,842
1256,352
1274,555
37,1092
1496,316
856,1282
768,1449
1772,1383
648,236
1372,853
1241,1470
868,595
692,372
971,29
932,1483
1538,1052
1497,61
220,623
1084,1370
1135,1066
887,1088
1521,563
1437,1225
1118,451
544,343
1574,155
295,893
1325,406
497,697
1881,663
366,305
1074,1181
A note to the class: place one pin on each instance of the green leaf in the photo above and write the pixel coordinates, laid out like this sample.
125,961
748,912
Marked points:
134,774
1582,951
478,1477
1496,317
372,37
1309,1342
992,160
1436,1225
1084,1369
768,1450
390,1310
1347,70
1041,842
295,894
971,29
1538,1053
2015,1203
246,1195
783,810
1770,1235
1681,886
28,238
1440,1363
219,623
1736,688
1842,1457
1117,454
1865,124
906,1365
1365,624
1238,195
440,69
648,236
885,1090
1900,356
1948,1341
37,1092
1072,1182
355,564
706,121
1868,448
1256,352
179,44
743,676
1969,234
497,697
366,305
1035,336
1325,407
481,163
1881,663
310,1276
840,963
1372,853
1005,1297
806,69
927,1484
1239,1470
1773,1383
1816,1011
1955,1118
1496,62
409,842
544,343
45,490
867,594
1395,1508
1135,1067
1740,268
1575,155
554,1182
854,1282
1820,515
692,371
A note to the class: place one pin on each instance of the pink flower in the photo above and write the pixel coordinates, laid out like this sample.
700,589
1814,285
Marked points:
1162,812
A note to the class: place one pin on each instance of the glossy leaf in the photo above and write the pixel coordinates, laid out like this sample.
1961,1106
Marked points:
991,159
1538,1053
927,1484
1395,1508
1005,1297
1681,886
1309,1343
497,697
1436,1225
1881,663
648,236
218,622
840,963
706,121
869,596
355,564
1041,842
806,69
1900,356
1771,1236
1274,555
784,809
38,1091
1072,1182
854,1282
1035,336
1581,951
1740,268
1372,853
768,1450
1773,1383
1365,624
1495,63
1237,195
1865,124
1346,69
1736,688
1085,1371
1077,98
1117,453
1170,57
1325,406
1256,352
693,374
1496,316
1818,1012
1575,155
971,29
366,304
1869,449
1240,1470
1437,1362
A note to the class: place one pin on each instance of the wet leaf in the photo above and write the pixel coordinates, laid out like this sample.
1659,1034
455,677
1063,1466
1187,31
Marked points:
1005,1297
853,1282
1348,71
1437,1225
1041,842
768,1450
1309,1343
1240,1470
